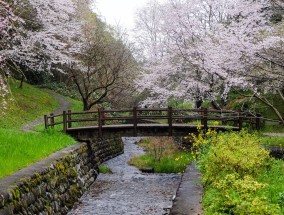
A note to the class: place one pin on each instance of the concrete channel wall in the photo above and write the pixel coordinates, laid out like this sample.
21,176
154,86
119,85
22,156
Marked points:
53,185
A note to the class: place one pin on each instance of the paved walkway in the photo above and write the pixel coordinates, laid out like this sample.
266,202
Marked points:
189,195
127,191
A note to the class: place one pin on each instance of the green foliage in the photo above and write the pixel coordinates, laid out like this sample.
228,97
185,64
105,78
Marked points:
179,104
162,155
63,89
238,153
20,149
246,102
237,173
104,169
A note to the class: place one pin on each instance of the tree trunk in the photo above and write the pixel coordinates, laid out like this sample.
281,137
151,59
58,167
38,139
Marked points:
86,105
198,103
22,81
215,105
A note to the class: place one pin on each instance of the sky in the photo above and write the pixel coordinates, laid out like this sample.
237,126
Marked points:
120,12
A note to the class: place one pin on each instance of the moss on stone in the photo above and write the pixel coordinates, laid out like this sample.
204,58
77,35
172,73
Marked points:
16,194
59,166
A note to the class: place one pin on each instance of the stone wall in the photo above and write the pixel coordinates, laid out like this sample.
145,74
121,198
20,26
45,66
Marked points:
53,185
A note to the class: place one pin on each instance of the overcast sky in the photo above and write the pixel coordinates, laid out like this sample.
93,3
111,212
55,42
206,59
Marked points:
120,12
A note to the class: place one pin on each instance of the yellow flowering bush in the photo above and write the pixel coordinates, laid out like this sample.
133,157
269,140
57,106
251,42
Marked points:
231,163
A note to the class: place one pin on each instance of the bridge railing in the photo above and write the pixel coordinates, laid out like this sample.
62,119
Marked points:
134,117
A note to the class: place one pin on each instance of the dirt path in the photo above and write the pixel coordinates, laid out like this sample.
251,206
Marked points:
64,105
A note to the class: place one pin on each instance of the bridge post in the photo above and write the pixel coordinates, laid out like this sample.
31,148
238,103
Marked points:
69,119
205,118
240,120
135,121
257,122
170,120
45,122
64,122
52,120
100,122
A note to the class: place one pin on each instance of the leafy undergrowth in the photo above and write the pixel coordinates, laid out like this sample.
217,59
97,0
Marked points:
19,149
163,156
239,177
25,105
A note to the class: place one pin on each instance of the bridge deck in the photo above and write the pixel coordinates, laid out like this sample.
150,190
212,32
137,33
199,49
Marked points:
128,130
147,122
151,126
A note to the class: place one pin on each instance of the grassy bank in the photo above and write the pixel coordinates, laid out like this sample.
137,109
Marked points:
25,105
272,141
17,148
162,155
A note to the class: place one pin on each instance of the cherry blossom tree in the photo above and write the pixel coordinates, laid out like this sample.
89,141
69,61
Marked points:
52,44
7,30
182,25
213,46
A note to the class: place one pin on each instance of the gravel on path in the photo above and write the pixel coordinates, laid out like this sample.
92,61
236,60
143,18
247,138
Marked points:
64,105
127,191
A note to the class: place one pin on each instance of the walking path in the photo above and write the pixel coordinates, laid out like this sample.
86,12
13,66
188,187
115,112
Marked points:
274,134
64,105
127,191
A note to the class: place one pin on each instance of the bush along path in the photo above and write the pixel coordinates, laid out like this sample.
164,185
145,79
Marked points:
127,191
64,105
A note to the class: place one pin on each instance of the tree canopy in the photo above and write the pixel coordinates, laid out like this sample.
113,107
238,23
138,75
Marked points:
201,50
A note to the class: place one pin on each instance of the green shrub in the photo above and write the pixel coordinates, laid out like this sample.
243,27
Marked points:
238,153
233,165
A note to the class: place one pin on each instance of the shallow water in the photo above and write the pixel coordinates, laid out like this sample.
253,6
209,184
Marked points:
127,191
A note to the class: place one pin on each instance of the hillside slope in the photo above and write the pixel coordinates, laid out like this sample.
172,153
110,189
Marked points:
29,104
19,149
25,105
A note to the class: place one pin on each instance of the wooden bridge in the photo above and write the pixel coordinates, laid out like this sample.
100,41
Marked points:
147,121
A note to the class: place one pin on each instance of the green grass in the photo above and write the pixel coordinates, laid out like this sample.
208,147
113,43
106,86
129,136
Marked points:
175,163
274,177
172,160
104,169
25,105
273,128
272,141
19,149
